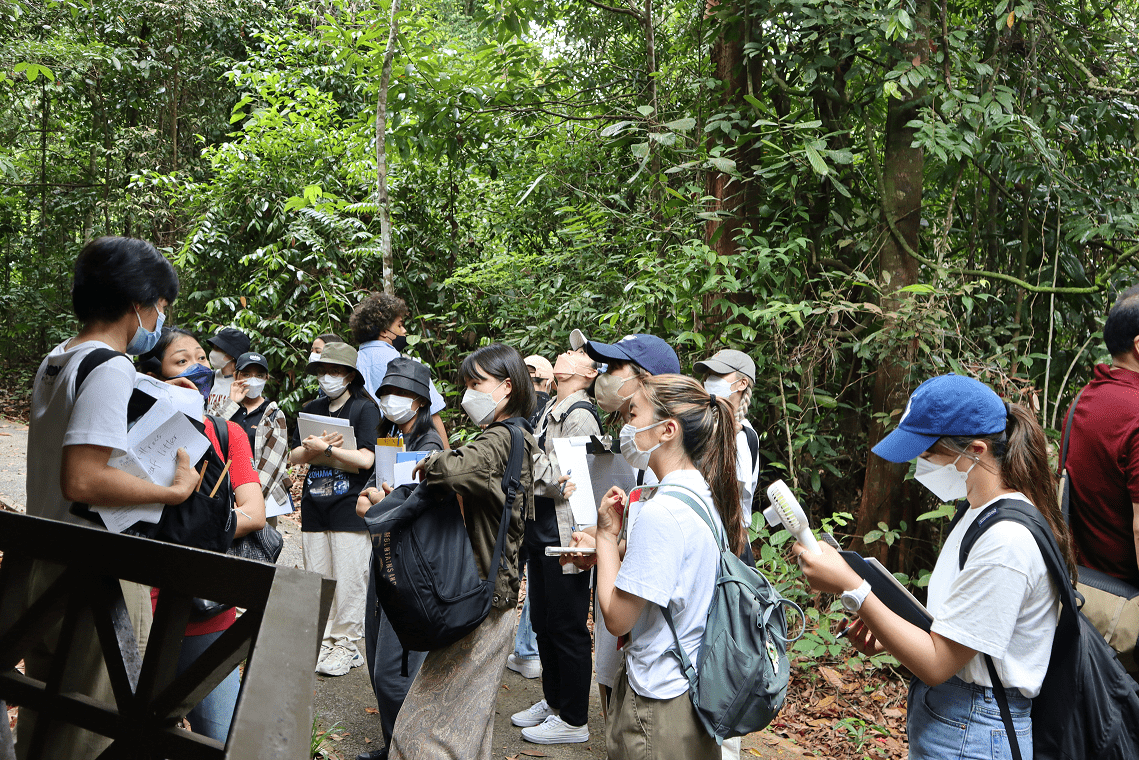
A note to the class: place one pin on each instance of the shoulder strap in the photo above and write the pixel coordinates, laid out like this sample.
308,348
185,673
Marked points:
962,509
752,446
92,360
511,481
576,405
221,429
1065,478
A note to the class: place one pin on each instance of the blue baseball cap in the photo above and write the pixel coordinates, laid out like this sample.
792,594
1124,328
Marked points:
945,405
646,351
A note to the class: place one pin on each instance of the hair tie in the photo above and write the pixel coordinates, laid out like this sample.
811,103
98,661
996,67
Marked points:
1008,408
712,400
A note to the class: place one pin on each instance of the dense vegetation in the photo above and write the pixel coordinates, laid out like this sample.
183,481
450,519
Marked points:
859,195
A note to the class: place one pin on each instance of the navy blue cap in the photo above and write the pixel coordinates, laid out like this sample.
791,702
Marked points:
945,405
249,359
646,351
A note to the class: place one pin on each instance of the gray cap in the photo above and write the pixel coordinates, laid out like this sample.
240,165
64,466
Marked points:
727,361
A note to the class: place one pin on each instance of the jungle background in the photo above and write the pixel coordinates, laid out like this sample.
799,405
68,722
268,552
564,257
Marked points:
858,194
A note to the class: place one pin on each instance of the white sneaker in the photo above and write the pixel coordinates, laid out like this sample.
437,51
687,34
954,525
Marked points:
554,730
532,716
325,650
339,661
527,667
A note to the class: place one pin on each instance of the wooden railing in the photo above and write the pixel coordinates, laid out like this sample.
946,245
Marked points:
278,636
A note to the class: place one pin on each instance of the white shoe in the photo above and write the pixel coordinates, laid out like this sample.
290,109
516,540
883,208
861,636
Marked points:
532,716
527,667
325,650
554,730
339,661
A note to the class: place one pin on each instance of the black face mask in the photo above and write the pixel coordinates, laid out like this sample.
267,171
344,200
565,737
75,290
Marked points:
400,343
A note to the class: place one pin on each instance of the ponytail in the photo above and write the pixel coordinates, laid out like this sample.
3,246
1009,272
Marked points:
708,437
1022,452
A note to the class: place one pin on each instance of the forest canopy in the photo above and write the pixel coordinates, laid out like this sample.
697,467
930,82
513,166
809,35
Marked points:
858,195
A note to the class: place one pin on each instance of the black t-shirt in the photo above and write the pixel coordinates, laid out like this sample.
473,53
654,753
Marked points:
250,420
328,501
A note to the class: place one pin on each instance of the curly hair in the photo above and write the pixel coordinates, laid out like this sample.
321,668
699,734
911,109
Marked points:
375,314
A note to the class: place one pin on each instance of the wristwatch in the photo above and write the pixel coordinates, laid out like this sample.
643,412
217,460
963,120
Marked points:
852,600
328,451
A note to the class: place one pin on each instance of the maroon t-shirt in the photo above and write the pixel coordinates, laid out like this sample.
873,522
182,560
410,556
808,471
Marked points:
1103,464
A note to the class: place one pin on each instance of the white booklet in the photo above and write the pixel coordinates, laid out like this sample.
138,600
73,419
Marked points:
152,454
318,424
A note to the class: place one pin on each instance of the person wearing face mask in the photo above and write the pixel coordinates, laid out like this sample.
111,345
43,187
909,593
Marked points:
225,347
121,291
174,359
334,539
629,362
265,425
559,598
320,341
405,407
671,560
377,326
542,375
969,444
449,710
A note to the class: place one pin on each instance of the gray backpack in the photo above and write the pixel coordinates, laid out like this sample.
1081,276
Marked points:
740,680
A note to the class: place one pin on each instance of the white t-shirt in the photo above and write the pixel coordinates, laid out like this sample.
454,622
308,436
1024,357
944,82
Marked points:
747,473
1003,603
672,558
98,417
219,392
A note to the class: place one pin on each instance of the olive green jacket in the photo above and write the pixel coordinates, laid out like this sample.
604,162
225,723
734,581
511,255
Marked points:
474,472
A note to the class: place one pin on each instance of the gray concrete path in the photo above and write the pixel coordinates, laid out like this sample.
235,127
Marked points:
13,458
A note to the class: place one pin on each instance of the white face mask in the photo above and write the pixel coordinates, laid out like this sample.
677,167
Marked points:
946,482
313,357
481,406
637,459
218,359
718,386
332,385
254,386
607,389
398,409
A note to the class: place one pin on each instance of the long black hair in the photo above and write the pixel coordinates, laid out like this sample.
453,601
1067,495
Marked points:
502,362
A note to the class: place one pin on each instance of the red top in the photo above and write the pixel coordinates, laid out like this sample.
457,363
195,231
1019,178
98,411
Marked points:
1103,463
241,472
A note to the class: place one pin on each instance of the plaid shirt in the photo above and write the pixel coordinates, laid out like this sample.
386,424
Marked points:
270,447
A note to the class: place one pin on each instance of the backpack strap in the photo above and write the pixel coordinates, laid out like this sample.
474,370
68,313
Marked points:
1067,630
574,407
753,447
1066,479
92,360
511,482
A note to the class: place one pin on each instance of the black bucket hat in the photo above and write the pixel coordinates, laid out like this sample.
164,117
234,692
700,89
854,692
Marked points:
230,340
407,375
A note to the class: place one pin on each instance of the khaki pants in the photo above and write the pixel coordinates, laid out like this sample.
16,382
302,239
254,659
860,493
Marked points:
87,673
642,728
345,557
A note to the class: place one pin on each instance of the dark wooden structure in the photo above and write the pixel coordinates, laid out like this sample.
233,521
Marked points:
278,636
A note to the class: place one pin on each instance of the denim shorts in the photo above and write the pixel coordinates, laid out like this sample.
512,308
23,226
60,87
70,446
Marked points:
962,721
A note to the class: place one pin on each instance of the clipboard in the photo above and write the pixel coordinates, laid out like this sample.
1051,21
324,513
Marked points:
887,588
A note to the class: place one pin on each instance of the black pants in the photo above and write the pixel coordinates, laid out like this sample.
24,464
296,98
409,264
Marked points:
559,608
385,662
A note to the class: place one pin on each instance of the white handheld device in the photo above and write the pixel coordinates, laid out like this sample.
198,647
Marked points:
785,509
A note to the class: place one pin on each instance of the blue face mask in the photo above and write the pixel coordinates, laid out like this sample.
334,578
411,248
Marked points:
143,339
201,376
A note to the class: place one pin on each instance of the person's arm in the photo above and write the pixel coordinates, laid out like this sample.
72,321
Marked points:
86,477
619,608
360,458
224,407
313,446
930,656
250,509
465,470
1135,526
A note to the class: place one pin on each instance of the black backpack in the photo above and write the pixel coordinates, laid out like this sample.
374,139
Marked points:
424,567
1088,706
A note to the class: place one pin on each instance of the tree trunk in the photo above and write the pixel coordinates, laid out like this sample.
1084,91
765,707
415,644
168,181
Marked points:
383,202
886,497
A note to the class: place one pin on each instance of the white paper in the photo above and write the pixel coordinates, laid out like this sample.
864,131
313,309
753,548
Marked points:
273,509
573,461
317,424
187,401
152,455
385,464
405,464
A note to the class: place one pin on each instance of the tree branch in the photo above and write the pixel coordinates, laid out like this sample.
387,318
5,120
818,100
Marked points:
1093,80
616,9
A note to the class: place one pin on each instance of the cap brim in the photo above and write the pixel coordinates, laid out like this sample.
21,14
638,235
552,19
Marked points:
902,445
247,365
577,339
399,382
606,352
715,366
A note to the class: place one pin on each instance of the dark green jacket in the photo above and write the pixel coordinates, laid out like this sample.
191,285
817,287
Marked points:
474,472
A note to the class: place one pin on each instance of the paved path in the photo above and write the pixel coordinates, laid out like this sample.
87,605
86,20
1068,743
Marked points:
346,700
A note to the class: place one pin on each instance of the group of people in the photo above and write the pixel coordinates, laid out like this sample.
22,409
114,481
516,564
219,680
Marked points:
640,557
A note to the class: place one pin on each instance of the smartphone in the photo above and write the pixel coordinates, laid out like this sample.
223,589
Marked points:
554,551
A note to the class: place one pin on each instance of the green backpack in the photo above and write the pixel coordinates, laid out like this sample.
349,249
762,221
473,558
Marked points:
740,680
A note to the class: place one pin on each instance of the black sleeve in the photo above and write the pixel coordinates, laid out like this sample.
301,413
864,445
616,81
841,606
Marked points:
365,422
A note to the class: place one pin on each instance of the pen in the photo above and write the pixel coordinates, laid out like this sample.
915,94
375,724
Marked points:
562,486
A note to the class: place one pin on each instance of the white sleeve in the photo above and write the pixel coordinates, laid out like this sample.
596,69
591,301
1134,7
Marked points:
985,601
654,556
99,415
743,475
